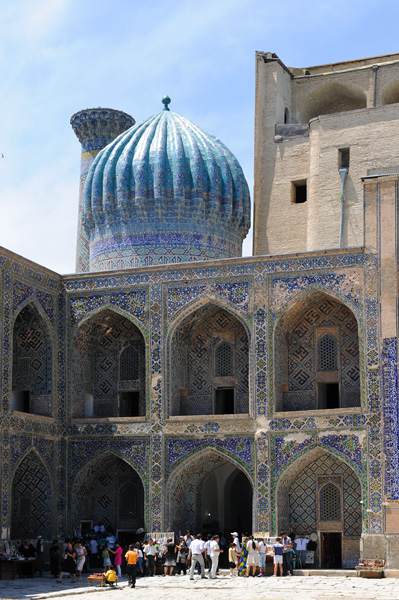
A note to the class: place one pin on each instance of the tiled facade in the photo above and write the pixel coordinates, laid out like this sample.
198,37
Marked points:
63,339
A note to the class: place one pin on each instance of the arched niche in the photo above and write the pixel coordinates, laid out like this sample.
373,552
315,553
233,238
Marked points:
31,364
331,98
109,491
322,494
209,493
209,343
316,356
31,500
108,368
390,95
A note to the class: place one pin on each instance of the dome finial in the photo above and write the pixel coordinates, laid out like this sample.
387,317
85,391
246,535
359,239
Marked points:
165,102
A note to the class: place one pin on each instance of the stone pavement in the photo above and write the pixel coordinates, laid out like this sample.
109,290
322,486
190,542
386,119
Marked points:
225,587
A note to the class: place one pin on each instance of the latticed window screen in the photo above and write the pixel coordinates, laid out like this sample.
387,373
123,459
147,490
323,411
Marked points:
330,503
327,353
129,364
224,360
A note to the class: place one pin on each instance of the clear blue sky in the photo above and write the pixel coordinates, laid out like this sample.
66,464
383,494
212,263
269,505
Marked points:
60,56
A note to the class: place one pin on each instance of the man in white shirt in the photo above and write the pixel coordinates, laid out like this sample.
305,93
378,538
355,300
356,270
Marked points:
197,548
208,557
215,553
94,552
300,545
150,555
236,542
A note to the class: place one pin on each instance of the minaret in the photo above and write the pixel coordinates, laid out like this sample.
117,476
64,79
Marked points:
95,128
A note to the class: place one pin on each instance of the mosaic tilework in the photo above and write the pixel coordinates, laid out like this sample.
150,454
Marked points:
389,365
347,285
304,491
23,292
237,293
31,500
347,445
240,448
193,361
135,452
133,302
153,198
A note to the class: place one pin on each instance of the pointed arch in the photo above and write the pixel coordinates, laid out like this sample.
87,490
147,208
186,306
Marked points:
112,308
98,492
99,389
298,383
192,385
31,494
184,499
32,360
307,473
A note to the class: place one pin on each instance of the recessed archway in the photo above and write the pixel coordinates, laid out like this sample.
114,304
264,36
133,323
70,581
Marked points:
109,491
390,95
209,493
108,368
322,494
31,504
316,355
331,98
209,374
31,364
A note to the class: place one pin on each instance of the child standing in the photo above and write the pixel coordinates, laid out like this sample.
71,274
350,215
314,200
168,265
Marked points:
278,557
232,558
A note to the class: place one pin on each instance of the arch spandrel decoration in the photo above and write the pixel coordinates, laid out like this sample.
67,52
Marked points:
238,449
134,452
233,294
24,294
131,304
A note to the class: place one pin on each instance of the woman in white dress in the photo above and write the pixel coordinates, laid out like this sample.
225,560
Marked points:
253,556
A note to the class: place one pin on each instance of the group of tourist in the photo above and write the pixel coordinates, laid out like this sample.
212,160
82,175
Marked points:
190,553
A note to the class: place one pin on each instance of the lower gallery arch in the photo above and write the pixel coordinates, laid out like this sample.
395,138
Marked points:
31,505
320,494
209,493
108,491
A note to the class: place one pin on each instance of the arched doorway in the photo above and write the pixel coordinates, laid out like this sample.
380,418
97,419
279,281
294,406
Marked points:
31,364
31,505
320,494
316,356
209,364
209,494
110,492
108,375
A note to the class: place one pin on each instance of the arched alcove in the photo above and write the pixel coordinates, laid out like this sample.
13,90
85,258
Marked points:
31,504
319,493
330,98
31,364
108,491
209,493
390,95
316,355
108,368
209,364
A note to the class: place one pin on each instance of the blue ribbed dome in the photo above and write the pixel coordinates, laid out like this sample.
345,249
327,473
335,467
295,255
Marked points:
164,191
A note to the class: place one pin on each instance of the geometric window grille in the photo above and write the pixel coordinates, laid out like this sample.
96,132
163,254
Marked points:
224,360
23,366
327,354
330,503
129,364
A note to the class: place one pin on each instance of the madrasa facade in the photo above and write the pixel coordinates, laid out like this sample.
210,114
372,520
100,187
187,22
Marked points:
172,384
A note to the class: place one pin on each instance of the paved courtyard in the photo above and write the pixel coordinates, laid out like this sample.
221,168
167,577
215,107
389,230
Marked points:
169,588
